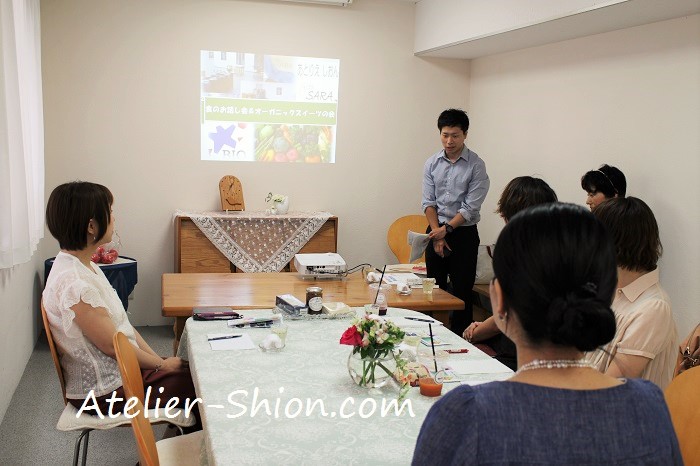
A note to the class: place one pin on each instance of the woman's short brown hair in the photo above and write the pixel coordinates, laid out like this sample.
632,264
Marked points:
634,230
70,208
523,192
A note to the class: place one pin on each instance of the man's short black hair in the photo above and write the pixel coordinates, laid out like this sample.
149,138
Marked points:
453,117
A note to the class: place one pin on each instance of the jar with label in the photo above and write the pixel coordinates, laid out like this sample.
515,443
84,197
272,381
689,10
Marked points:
314,299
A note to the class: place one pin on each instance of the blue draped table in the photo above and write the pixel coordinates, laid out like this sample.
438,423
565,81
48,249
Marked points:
122,274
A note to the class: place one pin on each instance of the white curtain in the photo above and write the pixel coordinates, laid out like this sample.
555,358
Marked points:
21,132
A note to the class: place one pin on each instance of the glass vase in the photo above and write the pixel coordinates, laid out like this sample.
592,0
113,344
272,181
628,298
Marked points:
371,372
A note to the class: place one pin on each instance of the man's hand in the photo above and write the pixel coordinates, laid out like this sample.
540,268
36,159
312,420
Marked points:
438,233
440,246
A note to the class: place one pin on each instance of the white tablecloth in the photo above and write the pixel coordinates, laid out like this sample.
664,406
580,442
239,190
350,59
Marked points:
312,366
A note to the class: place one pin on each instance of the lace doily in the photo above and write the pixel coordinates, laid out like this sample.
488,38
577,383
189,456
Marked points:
256,241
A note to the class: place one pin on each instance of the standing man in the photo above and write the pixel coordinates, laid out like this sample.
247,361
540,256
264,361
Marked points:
455,184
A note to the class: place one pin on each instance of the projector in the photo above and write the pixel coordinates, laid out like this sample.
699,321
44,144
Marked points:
327,264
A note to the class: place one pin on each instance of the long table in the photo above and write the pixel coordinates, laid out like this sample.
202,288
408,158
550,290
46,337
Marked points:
181,292
311,370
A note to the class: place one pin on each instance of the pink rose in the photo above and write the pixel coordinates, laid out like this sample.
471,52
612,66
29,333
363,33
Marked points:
351,337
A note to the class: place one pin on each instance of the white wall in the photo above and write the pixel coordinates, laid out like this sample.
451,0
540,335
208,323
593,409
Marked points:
121,100
630,98
19,314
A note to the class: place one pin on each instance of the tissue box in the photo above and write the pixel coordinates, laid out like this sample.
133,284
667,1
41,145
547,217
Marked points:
289,304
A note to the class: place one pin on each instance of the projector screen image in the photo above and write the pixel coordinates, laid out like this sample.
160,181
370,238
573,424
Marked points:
268,108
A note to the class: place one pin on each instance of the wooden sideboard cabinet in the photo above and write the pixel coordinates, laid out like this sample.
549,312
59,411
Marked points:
195,253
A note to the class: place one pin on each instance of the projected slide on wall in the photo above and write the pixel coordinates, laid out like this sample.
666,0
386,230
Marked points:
268,108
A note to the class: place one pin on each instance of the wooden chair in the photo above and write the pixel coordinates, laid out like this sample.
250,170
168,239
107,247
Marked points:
397,236
184,449
684,405
86,423
68,420
231,193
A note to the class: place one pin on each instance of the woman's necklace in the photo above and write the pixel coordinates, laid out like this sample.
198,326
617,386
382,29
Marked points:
553,364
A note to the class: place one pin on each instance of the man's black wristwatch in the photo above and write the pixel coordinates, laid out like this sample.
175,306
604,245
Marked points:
449,228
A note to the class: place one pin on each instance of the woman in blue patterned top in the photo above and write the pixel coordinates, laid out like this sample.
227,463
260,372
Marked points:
555,278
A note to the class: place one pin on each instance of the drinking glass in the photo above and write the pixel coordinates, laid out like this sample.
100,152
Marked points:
281,331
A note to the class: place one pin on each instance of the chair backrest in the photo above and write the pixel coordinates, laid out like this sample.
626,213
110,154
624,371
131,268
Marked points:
397,236
128,366
145,439
54,351
684,405
231,192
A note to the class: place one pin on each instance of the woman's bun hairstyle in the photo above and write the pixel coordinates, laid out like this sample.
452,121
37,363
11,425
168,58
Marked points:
556,266
576,320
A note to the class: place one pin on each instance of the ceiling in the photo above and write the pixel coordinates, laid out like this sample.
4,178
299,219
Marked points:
595,21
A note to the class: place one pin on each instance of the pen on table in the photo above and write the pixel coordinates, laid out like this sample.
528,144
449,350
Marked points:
224,337
419,319
259,323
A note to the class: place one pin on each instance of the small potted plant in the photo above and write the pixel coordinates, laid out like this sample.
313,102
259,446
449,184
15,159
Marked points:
279,203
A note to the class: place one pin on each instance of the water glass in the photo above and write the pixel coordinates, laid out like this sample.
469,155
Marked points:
281,331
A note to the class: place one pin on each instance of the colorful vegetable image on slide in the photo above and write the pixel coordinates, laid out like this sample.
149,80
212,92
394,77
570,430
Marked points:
293,143
268,108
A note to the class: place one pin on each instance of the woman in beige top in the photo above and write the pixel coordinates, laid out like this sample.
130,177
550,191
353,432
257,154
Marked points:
645,341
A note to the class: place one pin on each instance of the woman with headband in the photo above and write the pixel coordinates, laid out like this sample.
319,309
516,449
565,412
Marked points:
602,184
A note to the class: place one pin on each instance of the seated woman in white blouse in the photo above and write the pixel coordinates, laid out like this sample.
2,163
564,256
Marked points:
646,339
84,311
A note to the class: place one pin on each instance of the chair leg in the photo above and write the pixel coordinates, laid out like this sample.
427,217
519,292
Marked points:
76,451
85,448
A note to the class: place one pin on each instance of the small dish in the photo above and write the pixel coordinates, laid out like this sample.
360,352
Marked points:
404,293
270,350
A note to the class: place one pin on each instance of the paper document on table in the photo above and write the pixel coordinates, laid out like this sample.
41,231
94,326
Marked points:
437,341
408,278
244,342
477,366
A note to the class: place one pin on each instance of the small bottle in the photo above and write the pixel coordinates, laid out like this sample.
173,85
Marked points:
381,301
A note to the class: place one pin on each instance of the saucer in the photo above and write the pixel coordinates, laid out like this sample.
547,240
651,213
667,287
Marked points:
270,350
